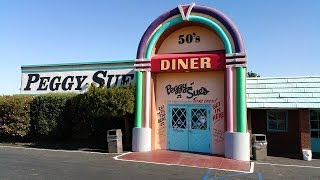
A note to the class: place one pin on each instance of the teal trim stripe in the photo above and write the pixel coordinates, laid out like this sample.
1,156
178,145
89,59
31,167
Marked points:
138,113
77,69
217,28
139,85
241,100
79,64
158,33
194,18
138,121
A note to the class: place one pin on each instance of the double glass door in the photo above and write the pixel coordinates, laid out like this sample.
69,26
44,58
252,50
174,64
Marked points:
189,128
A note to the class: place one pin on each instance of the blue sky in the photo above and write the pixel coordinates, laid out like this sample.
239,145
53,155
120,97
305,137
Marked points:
282,38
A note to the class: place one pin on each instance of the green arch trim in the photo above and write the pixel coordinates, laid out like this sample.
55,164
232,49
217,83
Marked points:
203,20
153,41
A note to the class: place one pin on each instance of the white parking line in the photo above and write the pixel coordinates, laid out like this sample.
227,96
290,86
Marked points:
119,155
288,165
56,150
251,167
116,157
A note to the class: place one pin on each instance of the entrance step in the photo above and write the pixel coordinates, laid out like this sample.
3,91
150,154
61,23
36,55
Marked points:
187,159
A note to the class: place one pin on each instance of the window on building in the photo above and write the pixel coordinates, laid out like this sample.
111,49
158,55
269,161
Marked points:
277,120
315,123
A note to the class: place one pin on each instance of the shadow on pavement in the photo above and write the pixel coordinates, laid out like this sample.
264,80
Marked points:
294,155
70,147
63,146
316,155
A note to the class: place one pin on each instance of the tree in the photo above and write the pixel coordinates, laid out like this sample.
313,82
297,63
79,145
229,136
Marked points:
252,74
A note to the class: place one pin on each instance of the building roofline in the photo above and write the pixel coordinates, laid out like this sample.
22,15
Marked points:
78,64
282,77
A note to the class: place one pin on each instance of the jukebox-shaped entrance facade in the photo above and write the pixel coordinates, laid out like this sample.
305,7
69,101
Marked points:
190,85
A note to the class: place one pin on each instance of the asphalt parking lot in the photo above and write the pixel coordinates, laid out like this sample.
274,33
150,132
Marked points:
25,163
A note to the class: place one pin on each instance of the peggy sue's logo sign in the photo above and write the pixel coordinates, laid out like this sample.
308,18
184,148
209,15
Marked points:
73,81
187,62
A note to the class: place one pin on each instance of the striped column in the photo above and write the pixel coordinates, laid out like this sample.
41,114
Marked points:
143,76
138,110
229,94
147,99
241,100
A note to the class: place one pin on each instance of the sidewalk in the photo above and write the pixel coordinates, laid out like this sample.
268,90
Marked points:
187,159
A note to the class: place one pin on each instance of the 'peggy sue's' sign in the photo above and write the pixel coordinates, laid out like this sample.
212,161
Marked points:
73,81
187,62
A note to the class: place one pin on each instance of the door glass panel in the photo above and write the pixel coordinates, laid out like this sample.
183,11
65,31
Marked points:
314,134
179,118
199,119
314,124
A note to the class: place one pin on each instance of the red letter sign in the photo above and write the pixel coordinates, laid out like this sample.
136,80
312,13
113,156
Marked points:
188,62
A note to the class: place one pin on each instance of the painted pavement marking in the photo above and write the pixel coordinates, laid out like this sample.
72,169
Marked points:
207,177
259,176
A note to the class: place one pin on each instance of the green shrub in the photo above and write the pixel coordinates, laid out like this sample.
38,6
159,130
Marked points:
101,109
81,125
110,102
14,115
85,117
48,116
